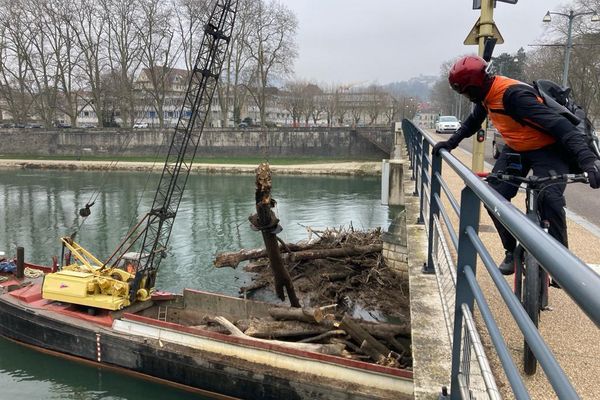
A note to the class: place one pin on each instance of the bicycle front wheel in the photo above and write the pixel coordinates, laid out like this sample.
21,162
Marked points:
531,304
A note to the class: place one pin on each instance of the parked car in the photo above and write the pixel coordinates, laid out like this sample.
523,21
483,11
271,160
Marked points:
62,125
140,125
497,144
447,124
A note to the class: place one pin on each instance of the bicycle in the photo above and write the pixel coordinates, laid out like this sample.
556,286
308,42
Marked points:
528,274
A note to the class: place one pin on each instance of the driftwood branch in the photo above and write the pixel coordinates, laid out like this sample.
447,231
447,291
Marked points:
299,253
313,315
233,258
324,335
333,349
268,329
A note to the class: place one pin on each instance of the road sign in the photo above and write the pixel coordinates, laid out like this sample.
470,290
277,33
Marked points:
473,36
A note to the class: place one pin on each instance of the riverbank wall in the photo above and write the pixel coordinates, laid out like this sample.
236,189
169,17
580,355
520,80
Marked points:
340,142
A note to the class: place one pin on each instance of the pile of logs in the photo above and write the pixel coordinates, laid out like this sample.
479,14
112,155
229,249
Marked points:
317,330
336,275
341,266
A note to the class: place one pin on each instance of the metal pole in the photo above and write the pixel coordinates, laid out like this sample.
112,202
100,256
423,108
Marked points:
486,23
569,44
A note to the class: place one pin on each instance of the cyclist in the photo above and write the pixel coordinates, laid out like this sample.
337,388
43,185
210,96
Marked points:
552,145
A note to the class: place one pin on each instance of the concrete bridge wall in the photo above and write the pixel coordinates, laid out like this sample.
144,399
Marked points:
334,142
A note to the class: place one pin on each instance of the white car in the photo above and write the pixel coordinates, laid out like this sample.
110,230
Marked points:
447,123
140,125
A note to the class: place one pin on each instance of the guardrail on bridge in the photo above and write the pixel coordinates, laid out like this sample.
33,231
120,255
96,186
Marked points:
459,286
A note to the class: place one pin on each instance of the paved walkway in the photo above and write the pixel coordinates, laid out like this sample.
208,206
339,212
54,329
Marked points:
572,337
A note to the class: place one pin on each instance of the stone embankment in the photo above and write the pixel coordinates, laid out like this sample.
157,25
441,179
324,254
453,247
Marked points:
341,168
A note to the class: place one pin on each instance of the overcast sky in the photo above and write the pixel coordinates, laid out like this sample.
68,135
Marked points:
384,41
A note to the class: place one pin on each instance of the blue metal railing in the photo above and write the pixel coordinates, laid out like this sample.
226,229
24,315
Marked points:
579,281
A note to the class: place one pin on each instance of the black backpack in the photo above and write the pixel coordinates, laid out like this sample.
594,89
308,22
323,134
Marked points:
560,100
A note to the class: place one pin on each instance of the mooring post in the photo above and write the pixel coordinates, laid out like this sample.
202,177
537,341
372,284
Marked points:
20,273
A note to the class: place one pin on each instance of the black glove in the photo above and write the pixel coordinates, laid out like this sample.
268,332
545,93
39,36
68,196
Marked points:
446,145
593,172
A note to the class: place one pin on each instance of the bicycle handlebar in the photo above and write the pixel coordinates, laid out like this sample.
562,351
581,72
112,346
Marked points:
535,180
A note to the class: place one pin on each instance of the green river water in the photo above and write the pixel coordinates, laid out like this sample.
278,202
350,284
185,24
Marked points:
37,207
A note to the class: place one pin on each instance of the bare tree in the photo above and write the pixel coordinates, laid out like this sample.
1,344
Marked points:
293,101
159,53
391,109
272,48
310,94
341,108
14,67
67,55
89,23
124,54
374,102
41,59
236,76
330,102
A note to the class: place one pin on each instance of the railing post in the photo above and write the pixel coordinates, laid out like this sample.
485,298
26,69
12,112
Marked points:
424,172
413,151
467,255
418,164
434,208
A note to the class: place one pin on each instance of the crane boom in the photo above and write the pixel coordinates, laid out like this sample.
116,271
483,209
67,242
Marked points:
184,143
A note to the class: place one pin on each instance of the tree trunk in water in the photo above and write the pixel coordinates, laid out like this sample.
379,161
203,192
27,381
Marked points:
232,259
299,252
265,221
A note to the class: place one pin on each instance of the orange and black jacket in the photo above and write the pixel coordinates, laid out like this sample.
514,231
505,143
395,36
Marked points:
515,110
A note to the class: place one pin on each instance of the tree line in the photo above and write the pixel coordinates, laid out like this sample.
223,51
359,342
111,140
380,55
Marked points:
59,56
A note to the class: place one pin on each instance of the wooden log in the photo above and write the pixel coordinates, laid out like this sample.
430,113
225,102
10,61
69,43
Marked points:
322,336
265,221
384,330
346,251
299,253
313,315
372,352
232,259
330,348
402,345
360,335
338,276
255,286
261,328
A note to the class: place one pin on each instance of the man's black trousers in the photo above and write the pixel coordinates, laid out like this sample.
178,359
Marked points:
551,200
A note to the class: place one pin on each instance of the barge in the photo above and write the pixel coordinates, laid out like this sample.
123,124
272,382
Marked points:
161,339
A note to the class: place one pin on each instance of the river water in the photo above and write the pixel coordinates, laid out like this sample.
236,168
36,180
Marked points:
38,207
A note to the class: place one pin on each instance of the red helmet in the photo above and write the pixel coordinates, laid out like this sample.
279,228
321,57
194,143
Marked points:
468,72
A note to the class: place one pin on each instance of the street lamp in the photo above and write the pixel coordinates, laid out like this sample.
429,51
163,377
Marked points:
571,16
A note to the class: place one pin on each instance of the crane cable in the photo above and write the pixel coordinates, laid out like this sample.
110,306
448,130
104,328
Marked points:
85,211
